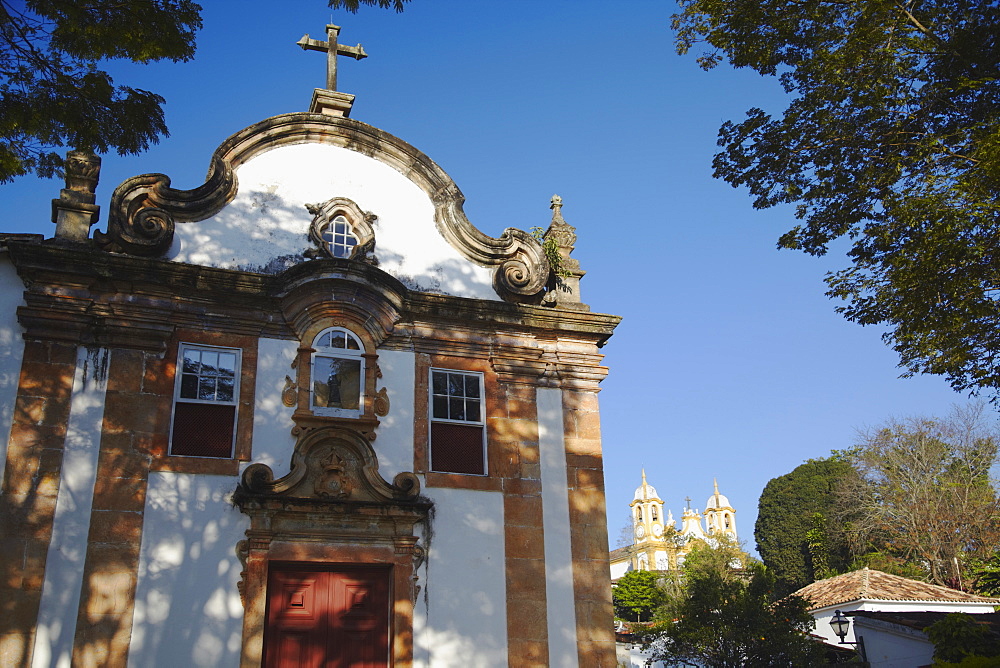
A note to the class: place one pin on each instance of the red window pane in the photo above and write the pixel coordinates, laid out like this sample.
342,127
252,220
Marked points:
203,430
457,448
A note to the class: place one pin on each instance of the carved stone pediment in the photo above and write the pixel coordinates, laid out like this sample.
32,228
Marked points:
145,208
333,507
330,465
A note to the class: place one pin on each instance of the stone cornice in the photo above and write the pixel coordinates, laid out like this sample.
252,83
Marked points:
91,297
145,208
594,328
95,298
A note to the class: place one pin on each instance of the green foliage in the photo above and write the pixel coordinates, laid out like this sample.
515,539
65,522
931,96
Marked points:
52,92
636,595
959,636
786,514
923,493
817,542
971,662
353,5
891,139
551,249
724,621
722,558
888,563
985,574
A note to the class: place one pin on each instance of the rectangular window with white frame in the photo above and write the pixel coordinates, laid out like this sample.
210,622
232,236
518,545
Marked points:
458,426
206,397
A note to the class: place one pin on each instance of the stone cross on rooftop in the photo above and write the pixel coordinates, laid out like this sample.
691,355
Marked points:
688,499
332,51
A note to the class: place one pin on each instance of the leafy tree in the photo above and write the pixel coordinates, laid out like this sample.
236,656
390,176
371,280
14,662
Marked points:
888,563
723,620
353,5
985,574
720,556
817,542
891,139
958,636
636,595
626,534
787,513
923,492
53,92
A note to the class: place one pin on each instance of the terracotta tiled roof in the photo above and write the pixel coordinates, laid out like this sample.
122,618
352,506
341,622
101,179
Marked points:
876,585
620,553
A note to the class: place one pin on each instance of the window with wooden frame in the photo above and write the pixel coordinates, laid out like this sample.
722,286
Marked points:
206,396
338,373
457,425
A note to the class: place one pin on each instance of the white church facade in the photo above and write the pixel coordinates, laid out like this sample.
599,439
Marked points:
303,413
658,543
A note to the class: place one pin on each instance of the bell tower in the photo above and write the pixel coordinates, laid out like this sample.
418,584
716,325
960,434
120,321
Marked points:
720,516
647,513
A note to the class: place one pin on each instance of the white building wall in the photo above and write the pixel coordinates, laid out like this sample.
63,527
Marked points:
272,421
620,568
824,615
462,606
187,608
394,445
559,595
268,219
890,645
11,350
60,599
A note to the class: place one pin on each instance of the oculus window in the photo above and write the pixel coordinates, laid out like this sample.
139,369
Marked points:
457,422
338,370
339,237
206,394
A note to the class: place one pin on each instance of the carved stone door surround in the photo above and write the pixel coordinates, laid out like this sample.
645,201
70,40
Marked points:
333,507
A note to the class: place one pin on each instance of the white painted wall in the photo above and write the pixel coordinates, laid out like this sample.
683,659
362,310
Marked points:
630,656
620,568
272,442
67,553
11,349
890,645
560,599
187,607
188,610
268,219
394,444
462,608
824,615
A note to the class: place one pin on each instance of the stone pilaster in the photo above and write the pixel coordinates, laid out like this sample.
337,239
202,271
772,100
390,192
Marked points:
30,488
137,412
591,582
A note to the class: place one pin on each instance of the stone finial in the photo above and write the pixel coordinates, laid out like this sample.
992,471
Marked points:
75,212
564,288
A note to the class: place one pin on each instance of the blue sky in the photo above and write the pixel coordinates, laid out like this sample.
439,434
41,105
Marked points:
729,363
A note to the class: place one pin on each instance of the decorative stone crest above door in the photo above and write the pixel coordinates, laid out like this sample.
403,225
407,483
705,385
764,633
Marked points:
333,507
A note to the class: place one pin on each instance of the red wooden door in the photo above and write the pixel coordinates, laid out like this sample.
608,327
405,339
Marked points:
327,617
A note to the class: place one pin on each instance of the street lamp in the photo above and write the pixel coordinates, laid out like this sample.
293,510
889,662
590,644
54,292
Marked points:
841,625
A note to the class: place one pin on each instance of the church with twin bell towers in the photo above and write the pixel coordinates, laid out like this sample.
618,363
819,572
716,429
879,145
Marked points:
658,543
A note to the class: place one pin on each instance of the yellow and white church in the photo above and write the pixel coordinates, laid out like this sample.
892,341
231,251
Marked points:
658,544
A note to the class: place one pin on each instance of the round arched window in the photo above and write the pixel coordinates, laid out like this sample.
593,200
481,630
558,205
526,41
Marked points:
338,372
